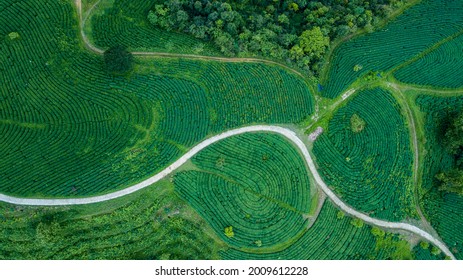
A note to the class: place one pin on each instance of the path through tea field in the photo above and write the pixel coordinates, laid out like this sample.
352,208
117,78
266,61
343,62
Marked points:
219,129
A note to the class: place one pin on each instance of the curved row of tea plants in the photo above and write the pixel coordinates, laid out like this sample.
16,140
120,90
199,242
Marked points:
416,30
256,183
80,131
444,210
338,237
365,155
272,94
442,67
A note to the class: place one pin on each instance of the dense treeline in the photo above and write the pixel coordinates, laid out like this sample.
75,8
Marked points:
452,180
297,31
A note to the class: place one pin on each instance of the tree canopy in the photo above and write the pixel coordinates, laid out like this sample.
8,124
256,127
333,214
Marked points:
229,232
297,31
453,139
118,60
13,36
313,42
452,180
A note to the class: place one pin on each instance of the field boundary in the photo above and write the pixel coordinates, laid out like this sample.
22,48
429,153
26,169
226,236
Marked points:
416,150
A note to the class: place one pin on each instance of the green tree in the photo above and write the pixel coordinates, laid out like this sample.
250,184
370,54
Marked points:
296,52
453,139
293,7
357,67
357,124
229,232
160,17
402,251
313,42
424,245
357,223
118,60
182,19
451,181
389,246
13,36
377,232
47,232
297,30
283,19
435,251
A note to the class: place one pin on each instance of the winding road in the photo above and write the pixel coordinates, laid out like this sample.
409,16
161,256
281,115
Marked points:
291,135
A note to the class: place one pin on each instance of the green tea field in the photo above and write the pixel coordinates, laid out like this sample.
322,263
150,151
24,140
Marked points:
234,130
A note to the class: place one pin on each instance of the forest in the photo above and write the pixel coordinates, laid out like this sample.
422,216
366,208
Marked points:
296,31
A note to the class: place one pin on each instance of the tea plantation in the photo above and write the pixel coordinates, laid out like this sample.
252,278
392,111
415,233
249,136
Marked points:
152,224
265,203
369,167
440,68
335,237
404,38
445,210
363,185
80,131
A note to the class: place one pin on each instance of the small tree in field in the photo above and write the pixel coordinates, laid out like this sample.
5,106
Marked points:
435,251
424,245
357,223
118,60
229,232
13,36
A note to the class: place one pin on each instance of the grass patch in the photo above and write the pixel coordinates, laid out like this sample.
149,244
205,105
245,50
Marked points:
153,223
357,124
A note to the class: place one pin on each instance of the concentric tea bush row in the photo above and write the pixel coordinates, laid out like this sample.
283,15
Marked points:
371,169
243,93
256,183
445,214
444,210
328,238
442,67
417,29
334,237
46,113
71,129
